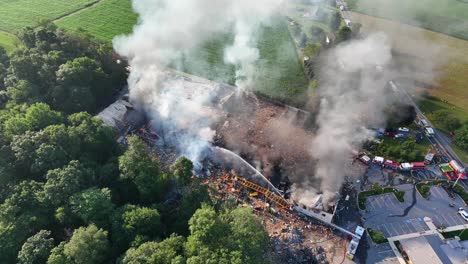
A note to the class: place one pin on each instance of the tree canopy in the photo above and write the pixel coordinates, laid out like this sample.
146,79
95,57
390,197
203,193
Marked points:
70,194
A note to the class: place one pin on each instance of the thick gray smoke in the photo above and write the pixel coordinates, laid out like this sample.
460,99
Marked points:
353,94
169,29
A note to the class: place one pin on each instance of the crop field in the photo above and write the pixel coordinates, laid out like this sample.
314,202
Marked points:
449,76
16,14
445,16
8,41
280,73
104,21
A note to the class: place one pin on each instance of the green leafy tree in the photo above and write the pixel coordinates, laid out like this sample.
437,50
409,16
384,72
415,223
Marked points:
141,221
182,170
136,165
235,236
461,138
36,249
168,251
176,219
40,116
93,206
87,75
446,120
4,59
312,49
136,224
17,125
97,142
23,92
57,255
62,183
345,33
87,245
21,215
73,98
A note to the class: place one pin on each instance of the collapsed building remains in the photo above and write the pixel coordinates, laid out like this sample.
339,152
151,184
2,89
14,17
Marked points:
264,142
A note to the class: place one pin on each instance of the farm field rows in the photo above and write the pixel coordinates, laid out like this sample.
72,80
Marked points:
17,14
445,16
280,74
104,21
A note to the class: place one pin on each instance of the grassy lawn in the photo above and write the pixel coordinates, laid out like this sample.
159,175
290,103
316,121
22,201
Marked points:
104,20
16,14
445,16
462,234
377,190
463,155
8,41
377,236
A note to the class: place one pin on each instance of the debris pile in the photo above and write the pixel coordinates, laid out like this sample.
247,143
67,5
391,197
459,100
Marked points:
293,238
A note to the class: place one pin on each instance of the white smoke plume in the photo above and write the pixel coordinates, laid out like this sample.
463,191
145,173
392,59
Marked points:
353,94
168,29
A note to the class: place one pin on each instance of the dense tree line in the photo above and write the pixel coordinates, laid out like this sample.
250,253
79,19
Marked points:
69,73
69,193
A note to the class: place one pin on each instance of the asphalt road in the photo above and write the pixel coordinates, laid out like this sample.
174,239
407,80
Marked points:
344,12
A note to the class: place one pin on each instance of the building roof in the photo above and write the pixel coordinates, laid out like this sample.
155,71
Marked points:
431,249
121,115
420,251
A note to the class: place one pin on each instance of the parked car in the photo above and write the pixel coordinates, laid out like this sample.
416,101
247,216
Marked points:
399,135
403,129
463,213
389,134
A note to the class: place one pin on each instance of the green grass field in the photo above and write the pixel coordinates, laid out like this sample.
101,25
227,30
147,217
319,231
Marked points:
445,16
280,74
16,14
8,41
104,20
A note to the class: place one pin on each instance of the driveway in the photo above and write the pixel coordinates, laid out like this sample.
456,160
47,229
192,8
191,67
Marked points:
387,214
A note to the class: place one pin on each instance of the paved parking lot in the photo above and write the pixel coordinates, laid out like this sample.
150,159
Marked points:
403,227
387,214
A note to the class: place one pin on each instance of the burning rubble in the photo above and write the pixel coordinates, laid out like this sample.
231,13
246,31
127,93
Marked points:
265,142
293,238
